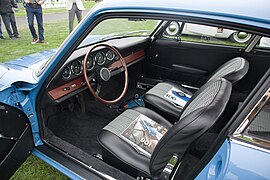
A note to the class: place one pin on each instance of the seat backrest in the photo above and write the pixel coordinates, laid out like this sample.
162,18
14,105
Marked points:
201,112
233,70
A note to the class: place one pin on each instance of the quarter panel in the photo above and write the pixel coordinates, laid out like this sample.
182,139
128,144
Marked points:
246,162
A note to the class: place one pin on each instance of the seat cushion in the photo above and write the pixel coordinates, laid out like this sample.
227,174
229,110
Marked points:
125,157
157,100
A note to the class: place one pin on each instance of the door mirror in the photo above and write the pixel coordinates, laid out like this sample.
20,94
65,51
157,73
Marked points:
173,29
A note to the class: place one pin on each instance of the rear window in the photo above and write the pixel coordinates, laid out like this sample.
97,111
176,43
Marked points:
191,32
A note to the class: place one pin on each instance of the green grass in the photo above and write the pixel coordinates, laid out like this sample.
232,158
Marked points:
34,168
55,33
87,5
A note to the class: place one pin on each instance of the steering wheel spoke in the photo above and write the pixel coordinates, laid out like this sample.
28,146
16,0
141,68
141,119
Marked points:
92,77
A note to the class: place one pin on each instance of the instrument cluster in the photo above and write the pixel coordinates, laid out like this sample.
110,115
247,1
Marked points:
96,59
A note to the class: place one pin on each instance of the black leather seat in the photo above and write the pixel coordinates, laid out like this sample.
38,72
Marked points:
201,112
233,70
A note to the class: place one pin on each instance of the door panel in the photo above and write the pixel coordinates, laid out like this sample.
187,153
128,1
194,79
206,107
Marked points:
197,60
16,141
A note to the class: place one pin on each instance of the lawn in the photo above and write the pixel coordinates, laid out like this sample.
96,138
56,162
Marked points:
34,168
55,33
21,11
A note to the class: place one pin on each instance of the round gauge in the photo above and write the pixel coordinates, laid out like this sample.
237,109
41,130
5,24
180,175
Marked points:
110,55
100,58
90,63
76,67
66,73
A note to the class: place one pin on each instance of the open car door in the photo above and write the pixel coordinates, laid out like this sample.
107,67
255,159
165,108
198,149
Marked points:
16,140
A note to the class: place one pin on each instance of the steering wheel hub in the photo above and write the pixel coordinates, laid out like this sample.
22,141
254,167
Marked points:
105,74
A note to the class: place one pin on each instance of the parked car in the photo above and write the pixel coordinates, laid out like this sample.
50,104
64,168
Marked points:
81,107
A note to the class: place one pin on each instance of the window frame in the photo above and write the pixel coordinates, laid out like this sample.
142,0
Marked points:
241,137
225,41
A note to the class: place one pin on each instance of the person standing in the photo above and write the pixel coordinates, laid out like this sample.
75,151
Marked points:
13,19
1,33
7,13
74,7
34,9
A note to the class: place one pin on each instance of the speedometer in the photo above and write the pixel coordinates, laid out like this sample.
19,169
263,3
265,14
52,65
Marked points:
100,58
66,73
76,67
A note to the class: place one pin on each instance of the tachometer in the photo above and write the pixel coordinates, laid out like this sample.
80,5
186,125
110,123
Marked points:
76,67
110,55
100,58
66,73
90,63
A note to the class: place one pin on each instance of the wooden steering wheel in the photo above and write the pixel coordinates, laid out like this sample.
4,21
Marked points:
104,73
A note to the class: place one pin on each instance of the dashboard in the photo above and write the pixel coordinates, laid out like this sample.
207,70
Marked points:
95,60
69,80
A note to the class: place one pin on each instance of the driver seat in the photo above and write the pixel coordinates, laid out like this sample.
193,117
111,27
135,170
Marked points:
199,115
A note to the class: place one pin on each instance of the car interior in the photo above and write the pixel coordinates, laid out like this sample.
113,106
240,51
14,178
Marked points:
112,79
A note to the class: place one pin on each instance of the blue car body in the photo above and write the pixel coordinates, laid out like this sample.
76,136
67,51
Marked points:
29,73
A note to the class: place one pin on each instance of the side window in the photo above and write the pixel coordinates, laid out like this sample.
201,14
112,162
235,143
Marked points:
259,128
255,129
190,32
264,43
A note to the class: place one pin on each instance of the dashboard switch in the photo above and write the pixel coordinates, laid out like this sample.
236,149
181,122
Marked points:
73,85
66,88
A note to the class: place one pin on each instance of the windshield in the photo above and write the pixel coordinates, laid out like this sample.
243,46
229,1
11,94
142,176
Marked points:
116,28
120,27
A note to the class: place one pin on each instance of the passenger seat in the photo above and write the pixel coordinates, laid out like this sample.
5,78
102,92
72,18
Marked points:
168,99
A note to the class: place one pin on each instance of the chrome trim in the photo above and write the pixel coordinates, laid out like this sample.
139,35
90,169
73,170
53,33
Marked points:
249,145
190,87
71,67
259,105
106,55
253,43
101,74
69,70
103,55
177,168
93,64
107,177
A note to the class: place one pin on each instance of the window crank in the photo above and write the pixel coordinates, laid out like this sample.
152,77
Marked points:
7,138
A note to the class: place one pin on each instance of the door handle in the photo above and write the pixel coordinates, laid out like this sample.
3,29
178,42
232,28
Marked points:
188,69
215,170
